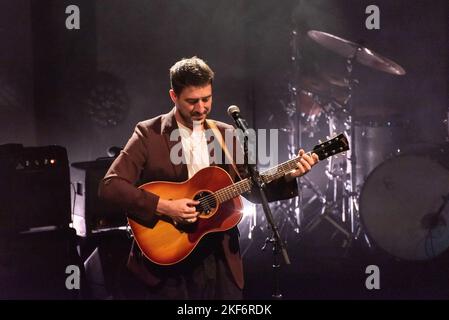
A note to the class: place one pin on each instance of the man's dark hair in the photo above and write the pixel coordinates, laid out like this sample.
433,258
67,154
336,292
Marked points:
190,72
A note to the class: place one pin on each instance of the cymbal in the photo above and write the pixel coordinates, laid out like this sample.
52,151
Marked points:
348,49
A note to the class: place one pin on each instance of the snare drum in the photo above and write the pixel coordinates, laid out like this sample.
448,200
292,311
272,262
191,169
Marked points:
404,206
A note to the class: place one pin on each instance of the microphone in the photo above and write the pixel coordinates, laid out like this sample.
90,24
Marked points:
114,151
241,123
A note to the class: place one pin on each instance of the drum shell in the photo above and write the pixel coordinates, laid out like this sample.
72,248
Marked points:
402,206
376,140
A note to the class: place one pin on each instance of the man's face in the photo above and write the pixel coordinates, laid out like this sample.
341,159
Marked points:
193,104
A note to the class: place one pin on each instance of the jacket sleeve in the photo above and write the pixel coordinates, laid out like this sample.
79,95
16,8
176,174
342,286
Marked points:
279,189
118,186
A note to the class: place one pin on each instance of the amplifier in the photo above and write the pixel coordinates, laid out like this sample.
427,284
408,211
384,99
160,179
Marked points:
34,188
33,265
91,214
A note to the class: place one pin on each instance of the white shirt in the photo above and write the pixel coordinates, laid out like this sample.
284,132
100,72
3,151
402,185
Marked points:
194,147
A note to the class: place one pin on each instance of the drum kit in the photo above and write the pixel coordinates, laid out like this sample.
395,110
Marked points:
378,195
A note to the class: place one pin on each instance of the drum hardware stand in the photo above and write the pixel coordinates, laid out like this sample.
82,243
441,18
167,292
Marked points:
345,174
295,206
351,191
290,209
351,167
296,120
326,215
296,58
287,217
351,194
337,176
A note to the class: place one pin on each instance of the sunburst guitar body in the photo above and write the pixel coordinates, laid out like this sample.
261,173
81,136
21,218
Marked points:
167,243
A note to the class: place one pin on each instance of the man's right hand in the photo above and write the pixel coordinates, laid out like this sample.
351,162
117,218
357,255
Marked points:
180,210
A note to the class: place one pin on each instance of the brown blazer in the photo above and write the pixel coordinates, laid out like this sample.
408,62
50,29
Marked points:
145,158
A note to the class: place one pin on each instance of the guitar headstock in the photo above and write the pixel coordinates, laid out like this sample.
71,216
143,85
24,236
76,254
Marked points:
331,147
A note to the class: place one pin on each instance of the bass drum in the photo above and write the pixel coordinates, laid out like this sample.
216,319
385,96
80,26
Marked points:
404,206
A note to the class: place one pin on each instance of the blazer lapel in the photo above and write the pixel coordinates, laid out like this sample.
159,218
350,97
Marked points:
168,125
216,151
213,144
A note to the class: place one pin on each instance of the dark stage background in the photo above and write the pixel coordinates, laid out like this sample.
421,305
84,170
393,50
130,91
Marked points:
49,74
86,89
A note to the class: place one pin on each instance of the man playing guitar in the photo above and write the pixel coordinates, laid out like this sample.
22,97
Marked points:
167,216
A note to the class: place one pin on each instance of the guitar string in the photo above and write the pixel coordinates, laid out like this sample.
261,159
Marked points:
212,198
224,194
229,194
278,172
240,186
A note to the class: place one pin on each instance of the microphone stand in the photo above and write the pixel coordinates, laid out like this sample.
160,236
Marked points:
275,239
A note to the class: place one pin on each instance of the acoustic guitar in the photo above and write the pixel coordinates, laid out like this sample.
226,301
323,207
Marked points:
220,207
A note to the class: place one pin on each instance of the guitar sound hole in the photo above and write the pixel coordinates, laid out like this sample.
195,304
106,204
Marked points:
207,202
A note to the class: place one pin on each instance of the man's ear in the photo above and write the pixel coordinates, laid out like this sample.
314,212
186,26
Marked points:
173,96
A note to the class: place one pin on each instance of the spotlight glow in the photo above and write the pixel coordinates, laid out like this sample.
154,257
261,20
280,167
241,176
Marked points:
249,209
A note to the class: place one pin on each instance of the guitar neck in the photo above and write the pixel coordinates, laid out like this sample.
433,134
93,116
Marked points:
323,150
245,185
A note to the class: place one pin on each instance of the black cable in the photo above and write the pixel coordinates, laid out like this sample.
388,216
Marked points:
72,214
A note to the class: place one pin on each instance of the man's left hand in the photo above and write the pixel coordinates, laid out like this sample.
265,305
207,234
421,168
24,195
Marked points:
305,164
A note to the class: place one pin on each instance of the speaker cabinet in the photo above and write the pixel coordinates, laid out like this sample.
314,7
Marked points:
35,188
33,265
91,214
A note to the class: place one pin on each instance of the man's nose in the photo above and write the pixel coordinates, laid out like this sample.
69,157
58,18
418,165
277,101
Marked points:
200,107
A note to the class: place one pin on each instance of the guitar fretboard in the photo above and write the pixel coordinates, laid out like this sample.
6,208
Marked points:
323,150
245,185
